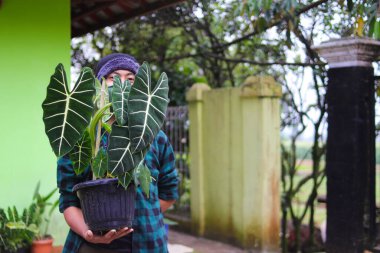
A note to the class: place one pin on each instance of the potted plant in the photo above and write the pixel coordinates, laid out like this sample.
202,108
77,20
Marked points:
74,125
18,231
42,242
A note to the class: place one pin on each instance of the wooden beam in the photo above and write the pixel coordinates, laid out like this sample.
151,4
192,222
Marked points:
91,11
142,10
73,2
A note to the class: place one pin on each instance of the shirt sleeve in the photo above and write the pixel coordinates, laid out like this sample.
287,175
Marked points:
66,179
168,175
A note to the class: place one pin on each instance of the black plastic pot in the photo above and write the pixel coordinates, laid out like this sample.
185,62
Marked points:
105,204
20,250
24,250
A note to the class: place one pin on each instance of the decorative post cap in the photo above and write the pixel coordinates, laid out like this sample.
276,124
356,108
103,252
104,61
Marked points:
349,52
195,92
260,86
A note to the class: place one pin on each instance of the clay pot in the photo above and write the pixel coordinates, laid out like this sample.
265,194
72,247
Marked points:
44,245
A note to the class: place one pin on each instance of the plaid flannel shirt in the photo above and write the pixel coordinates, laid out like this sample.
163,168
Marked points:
149,234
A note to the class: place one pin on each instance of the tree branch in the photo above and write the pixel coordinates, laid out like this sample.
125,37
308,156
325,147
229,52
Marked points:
274,23
302,64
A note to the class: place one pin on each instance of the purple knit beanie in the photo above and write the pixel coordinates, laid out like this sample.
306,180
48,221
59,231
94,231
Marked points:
116,61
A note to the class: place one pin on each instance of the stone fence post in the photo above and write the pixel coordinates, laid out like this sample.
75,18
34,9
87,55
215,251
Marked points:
195,98
235,163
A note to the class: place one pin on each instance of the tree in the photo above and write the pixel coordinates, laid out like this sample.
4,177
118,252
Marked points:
222,42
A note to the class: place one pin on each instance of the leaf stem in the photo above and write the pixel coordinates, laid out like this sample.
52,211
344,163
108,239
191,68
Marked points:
98,134
94,122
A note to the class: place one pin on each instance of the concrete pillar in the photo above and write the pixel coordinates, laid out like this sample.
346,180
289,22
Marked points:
195,99
350,158
235,163
261,163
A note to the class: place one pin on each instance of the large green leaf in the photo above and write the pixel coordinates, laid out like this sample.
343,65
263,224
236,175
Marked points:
98,101
99,166
81,154
147,106
16,225
3,217
67,113
20,225
143,177
121,158
13,214
27,216
120,93
33,229
125,179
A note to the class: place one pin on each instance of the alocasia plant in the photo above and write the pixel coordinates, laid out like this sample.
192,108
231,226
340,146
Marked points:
73,123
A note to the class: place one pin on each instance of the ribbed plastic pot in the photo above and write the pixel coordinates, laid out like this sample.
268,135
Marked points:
105,204
20,250
24,250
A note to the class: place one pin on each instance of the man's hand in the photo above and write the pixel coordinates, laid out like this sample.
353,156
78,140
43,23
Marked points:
74,218
107,238
165,204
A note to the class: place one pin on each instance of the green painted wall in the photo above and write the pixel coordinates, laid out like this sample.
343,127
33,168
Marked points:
34,37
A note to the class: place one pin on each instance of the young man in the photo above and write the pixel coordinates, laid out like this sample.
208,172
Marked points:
147,233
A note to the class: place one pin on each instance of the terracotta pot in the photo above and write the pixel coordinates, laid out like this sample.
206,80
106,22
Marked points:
44,245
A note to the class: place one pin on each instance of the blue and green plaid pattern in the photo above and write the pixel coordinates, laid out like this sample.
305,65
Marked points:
149,232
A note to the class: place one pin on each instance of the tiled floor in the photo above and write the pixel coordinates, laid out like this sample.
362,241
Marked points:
184,243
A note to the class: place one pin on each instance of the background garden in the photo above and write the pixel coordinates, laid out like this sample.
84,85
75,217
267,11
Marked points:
221,42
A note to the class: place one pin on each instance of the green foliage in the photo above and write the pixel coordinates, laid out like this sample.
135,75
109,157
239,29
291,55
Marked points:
94,123
14,232
184,199
300,188
67,113
147,104
99,166
120,94
80,155
223,42
364,16
361,15
18,230
72,114
196,38
121,157
37,212
142,177
125,179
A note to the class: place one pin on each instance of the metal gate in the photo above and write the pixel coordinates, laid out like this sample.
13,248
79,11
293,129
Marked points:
176,127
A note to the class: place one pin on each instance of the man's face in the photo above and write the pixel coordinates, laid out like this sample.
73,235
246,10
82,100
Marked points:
123,74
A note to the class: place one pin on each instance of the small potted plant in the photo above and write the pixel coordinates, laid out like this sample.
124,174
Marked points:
19,232
16,230
42,242
75,127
